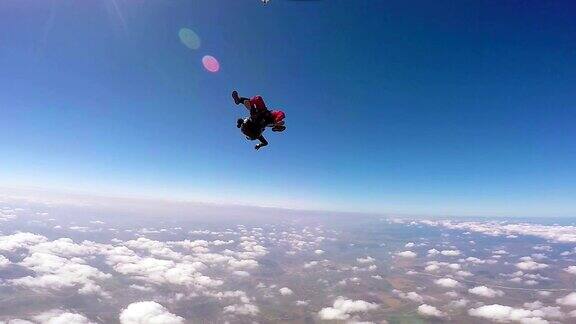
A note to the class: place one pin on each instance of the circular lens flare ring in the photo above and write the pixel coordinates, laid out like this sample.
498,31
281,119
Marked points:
189,38
210,63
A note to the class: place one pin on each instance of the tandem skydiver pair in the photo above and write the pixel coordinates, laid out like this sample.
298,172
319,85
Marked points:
260,117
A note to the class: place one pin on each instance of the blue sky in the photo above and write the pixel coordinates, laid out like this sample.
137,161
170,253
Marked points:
392,106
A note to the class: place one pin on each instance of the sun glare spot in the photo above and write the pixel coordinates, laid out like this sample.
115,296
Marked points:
210,63
189,38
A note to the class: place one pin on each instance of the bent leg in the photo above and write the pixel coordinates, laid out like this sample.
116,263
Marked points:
237,99
263,142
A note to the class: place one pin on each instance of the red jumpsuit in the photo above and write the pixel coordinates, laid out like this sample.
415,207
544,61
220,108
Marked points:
258,108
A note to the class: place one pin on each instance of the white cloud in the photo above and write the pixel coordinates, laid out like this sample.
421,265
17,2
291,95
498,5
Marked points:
406,254
464,273
429,311
446,282
319,252
55,273
531,282
184,272
141,288
330,313
57,316
241,273
285,291
475,260
148,312
530,265
310,264
17,321
65,247
20,241
568,300
571,270
220,242
539,256
500,313
555,233
412,295
246,264
4,261
237,294
155,248
252,249
7,213
432,267
547,248
550,312
367,259
433,252
242,309
486,292
454,266
450,252
196,246
460,303
343,308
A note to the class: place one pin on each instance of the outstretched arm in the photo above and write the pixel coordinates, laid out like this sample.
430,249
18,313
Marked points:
263,142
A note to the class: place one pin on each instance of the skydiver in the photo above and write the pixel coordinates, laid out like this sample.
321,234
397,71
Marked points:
260,118
260,114
252,131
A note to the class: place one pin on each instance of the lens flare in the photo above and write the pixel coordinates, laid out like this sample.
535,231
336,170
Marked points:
211,63
189,38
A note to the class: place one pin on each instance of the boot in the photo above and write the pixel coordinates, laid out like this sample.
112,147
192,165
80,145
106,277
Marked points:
236,97
278,128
